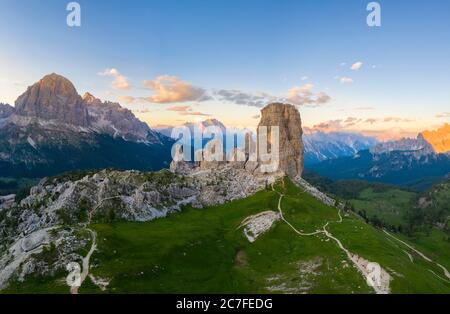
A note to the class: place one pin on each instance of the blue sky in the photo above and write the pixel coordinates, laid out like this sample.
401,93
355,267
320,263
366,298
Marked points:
203,47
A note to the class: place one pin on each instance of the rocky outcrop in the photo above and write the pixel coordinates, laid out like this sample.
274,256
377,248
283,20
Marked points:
53,98
287,118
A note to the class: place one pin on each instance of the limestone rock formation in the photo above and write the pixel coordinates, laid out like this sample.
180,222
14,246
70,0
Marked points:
53,98
287,118
249,158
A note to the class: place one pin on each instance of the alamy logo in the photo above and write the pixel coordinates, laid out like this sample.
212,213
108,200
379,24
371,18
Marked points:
74,17
215,144
374,17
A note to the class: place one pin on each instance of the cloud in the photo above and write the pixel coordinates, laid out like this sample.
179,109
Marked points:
297,95
256,116
345,80
304,78
396,119
356,66
169,89
303,95
328,126
351,120
120,81
194,113
238,97
371,120
126,99
187,111
443,115
179,108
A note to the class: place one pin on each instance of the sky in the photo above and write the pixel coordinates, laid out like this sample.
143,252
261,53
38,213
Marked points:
173,61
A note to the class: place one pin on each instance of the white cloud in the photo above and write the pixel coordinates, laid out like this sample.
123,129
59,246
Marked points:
345,80
120,81
356,66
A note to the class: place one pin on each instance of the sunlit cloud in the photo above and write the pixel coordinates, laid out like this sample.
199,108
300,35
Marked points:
120,81
187,111
356,66
179,108
126,99
171,89
303,95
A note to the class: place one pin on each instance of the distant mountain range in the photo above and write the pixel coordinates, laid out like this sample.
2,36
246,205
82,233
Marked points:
320,146
416,162
52,129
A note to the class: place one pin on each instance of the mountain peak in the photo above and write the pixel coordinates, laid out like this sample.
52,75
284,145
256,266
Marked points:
54,97
90,99
439,139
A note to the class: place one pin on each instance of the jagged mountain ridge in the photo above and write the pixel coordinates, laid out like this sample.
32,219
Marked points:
417,163
320,146
53,129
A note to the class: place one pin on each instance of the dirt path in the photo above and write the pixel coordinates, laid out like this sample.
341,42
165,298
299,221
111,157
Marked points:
86,261
87,258
446,273
359,263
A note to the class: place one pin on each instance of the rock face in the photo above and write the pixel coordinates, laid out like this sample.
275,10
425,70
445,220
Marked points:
112,119
53,98
287,118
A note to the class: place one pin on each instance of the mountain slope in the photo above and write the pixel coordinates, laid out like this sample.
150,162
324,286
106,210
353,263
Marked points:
320,146
396,167
167,255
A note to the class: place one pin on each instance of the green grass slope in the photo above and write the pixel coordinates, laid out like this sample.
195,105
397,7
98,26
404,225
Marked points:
204,251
